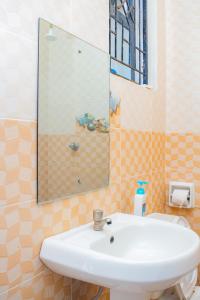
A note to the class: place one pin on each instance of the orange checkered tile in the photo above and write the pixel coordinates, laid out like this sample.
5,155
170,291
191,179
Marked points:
115,155
152,170
158,151
24,224
180,150
135,152
183,164
56,288
17,161
183,159
158,192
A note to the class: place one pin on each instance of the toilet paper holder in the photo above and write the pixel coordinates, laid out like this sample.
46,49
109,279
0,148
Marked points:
186,186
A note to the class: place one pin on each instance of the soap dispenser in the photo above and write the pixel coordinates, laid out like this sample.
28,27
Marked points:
140,199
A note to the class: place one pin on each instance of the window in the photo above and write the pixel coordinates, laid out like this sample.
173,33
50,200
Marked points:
128,39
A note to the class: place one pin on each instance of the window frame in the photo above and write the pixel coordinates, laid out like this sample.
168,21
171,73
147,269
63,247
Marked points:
128,21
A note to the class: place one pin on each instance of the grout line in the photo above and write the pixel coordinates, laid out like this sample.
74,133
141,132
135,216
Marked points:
18,120
186,132
115,128
120,158
17,203
18,35
152,163
22,283
136,175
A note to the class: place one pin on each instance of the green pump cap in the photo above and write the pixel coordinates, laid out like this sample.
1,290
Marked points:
141,190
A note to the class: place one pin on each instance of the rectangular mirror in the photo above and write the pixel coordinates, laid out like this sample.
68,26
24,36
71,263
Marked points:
73,115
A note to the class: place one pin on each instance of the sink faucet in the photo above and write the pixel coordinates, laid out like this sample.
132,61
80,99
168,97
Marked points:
99,221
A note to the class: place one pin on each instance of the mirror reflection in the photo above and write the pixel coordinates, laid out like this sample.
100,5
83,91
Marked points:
73,115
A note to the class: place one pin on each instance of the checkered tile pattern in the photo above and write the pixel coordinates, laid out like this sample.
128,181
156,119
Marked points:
157,204
149,166
135,152
17,161
115,155
183,159
56,288
180,150
158,151
24,225
182,101
134,155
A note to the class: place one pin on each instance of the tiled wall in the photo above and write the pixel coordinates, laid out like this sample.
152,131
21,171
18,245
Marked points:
137,147
183,164
143,132
183,100
24,224
183,61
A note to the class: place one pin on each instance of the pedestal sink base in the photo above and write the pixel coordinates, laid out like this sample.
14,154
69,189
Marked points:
118,295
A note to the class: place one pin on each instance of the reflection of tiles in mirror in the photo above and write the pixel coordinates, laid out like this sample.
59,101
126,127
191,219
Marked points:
63,172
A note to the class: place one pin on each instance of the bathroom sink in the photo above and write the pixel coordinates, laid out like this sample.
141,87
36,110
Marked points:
134,256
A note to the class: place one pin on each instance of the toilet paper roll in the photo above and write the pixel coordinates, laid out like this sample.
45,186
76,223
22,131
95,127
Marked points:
180,197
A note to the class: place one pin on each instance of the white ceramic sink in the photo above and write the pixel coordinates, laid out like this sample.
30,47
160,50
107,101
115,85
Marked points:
146,255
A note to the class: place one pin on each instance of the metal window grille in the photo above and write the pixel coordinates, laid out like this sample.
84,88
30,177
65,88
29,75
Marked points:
128,39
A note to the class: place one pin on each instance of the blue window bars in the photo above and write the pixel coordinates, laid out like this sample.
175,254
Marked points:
128,39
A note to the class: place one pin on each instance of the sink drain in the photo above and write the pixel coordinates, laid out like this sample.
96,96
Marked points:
112,239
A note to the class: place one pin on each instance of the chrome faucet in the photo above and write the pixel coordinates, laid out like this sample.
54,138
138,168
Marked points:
99,221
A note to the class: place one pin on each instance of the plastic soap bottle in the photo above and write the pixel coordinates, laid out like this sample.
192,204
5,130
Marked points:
140,199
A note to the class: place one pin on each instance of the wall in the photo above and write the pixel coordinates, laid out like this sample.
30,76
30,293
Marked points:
143,131
137,147
182,99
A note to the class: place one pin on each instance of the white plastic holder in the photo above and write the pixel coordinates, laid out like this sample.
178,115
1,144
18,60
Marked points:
178,185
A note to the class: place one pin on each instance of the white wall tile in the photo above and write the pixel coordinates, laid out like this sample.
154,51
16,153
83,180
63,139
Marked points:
18,33
136,104
159,100
90,21
21,16
18,56
18,76
183,64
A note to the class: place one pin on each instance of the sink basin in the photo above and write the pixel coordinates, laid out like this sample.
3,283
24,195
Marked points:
134,256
